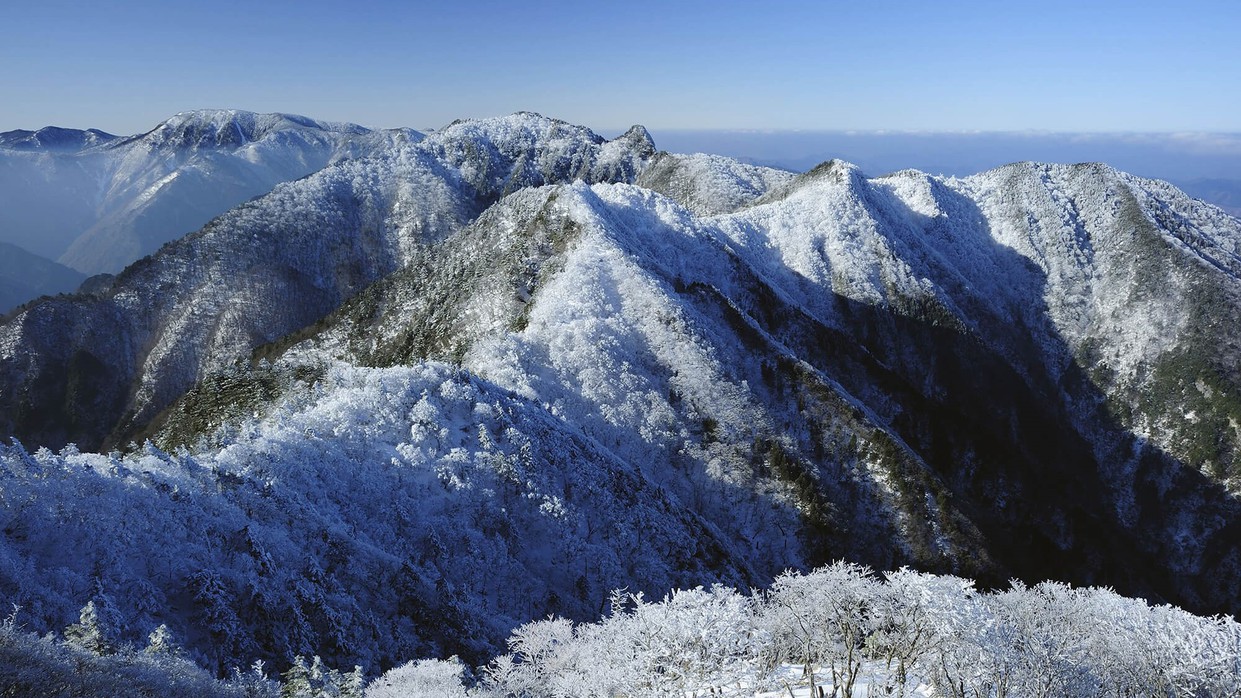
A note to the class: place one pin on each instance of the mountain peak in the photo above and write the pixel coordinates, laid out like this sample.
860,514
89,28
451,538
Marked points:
1032,168
639,140
522,122
232,128
834,170
498,155
54,138
825,174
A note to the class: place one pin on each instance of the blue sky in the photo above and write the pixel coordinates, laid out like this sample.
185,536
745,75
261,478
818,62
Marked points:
1048,65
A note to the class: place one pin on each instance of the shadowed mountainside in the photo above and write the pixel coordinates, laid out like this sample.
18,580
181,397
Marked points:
513,366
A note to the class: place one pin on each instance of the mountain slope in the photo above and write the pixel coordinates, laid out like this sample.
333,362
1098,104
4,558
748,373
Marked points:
91,370
1142,283
96,202
925,302
25,276
379,515
650,381
554,349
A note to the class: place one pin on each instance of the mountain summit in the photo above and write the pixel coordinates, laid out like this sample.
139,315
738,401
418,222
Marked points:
54,139
230,128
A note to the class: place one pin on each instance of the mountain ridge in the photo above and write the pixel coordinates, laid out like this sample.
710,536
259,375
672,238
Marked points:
291,257
528,330
100,206
54,138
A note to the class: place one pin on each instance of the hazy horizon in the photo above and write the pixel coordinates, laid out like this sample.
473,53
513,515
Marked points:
1163,155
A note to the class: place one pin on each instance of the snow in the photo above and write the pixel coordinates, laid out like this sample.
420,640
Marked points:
376,459
115,202
711,184
599,387
909,634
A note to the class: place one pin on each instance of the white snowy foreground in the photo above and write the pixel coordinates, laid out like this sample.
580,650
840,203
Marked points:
906,634
795,684
903,634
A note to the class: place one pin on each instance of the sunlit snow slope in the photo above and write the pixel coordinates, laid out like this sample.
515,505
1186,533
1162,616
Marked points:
96,202
514,365
89,370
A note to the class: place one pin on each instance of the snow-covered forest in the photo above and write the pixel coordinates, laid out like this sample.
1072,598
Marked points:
492,393
840,630
850,632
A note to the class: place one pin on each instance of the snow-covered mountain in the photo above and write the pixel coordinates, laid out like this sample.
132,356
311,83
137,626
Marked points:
513,365
91,369
54,139
919,351
96,202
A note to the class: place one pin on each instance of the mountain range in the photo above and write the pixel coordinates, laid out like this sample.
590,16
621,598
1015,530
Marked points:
97,202
509,366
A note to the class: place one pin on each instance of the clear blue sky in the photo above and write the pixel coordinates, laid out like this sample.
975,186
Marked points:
124,66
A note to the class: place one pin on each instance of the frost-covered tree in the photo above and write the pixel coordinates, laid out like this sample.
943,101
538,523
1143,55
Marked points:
919,620
693,640
295,682
319,681
254,682
430,678
912,633
161,643
1049,632
539,655
352,683
821,619
31,665
89,633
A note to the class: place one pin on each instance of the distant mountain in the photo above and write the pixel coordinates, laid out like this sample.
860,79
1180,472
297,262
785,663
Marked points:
25,276
96,202
54,139
710,184
510,367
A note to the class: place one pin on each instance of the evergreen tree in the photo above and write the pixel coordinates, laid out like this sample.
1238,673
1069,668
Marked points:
296,680
160,643
88,633
351,684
